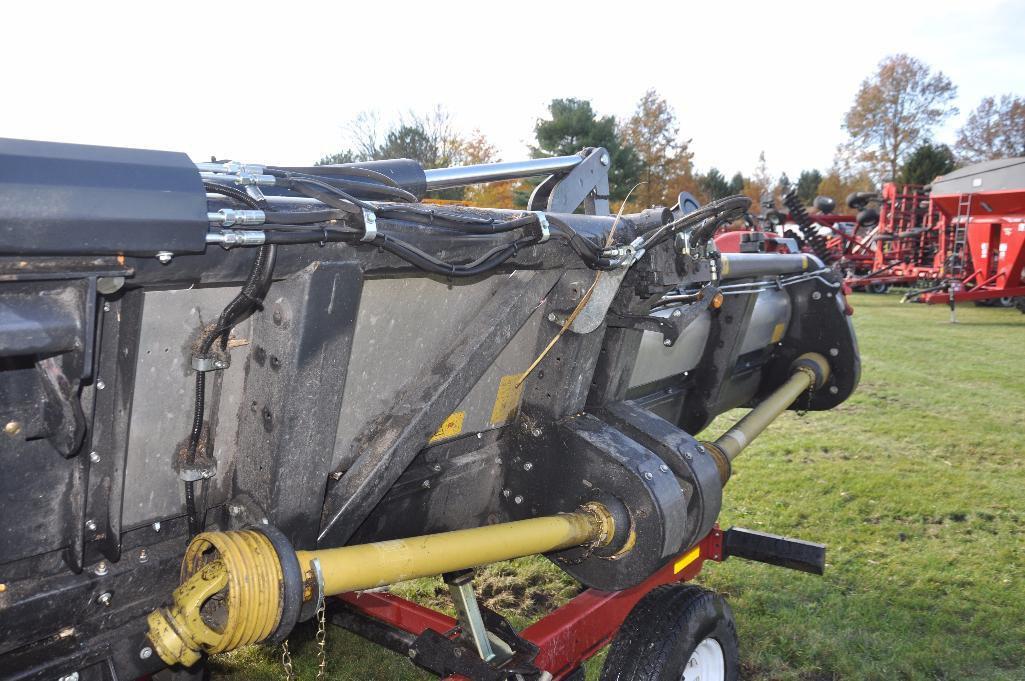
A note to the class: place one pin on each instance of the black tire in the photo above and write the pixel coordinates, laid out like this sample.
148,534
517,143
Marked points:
878,288
663,630
1006,301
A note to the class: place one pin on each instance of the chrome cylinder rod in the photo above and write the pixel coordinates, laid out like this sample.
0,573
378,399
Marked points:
461,176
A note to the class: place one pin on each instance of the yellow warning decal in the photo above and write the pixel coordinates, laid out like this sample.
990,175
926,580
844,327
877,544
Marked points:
777,332
452,426
804,262
507,401
725,265
689,558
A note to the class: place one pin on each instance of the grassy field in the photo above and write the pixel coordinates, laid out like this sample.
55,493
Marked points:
917,486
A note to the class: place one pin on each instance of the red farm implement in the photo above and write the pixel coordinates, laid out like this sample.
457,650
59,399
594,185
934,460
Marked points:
979,215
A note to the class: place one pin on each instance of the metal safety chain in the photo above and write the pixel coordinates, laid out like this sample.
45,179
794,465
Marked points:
321,639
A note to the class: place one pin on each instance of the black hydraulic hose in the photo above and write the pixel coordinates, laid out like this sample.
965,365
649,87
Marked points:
248,300
237,194
355,171
341,184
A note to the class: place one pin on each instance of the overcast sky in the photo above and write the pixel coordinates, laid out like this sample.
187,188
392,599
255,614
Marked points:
278,82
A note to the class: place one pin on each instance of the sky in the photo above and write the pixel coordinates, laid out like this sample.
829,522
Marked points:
278,83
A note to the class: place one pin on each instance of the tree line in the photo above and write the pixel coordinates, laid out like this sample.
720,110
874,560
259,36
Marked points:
889,128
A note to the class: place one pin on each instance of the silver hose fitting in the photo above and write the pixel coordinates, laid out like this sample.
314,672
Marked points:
230,238
226,217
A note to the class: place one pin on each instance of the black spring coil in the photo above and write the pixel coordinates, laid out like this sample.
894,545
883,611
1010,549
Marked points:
815,241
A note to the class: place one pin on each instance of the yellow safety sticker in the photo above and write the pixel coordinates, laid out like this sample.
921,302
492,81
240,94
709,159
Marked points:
691,556
777,332
804,262
725,265
507,401
452,426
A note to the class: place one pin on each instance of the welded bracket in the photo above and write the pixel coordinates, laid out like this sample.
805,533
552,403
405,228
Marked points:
587,184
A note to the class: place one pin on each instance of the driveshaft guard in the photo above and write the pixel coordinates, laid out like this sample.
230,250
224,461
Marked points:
587,459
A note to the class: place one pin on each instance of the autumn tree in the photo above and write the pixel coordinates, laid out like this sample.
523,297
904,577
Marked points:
666,161
895,110
925,163
994,130
838,185
572,126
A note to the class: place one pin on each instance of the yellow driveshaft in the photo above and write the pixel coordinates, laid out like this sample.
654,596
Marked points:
243,569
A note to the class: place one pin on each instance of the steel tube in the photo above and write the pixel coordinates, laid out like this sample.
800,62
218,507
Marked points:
461,176
365,566
734,440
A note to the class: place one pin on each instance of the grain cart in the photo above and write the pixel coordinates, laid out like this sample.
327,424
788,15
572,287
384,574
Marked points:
236,397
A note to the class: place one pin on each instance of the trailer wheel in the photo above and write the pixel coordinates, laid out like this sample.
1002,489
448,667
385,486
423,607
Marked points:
1005,301
679,632
878,288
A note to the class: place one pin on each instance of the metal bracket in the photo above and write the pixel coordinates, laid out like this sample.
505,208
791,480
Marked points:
310,607
546,231
587,183
460,586
369,225
212,363
664,325
201,470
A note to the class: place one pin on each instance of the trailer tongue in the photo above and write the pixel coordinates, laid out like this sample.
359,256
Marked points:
236,396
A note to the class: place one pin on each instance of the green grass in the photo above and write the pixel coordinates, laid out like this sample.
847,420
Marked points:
917,486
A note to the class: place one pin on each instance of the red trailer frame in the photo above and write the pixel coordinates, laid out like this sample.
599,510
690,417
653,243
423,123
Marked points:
568,636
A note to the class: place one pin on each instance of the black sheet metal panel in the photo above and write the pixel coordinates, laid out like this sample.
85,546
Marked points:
392,441
80,199
295,379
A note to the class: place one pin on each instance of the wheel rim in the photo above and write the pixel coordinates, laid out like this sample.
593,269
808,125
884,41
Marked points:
706,663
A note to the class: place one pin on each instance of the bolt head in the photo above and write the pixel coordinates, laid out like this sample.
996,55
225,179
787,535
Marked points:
143,556
648,475
436,468
12,428
100,385
518,499
156,526
220,364
605,160
146,653
94,457
234,509
833,390
106,307
528,466
664,468
506,493
104,599
536,432
552,317
667,342
164,257
816,295
677,313
90,525
426,484
101,568
833,352
688,456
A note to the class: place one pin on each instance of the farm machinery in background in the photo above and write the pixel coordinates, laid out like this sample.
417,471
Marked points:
236,397
961,239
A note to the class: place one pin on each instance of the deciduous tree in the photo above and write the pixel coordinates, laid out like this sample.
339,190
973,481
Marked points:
994,130
666,161
894,110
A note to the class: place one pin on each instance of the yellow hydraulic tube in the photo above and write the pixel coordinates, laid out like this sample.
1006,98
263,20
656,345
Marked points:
728,445
243,570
